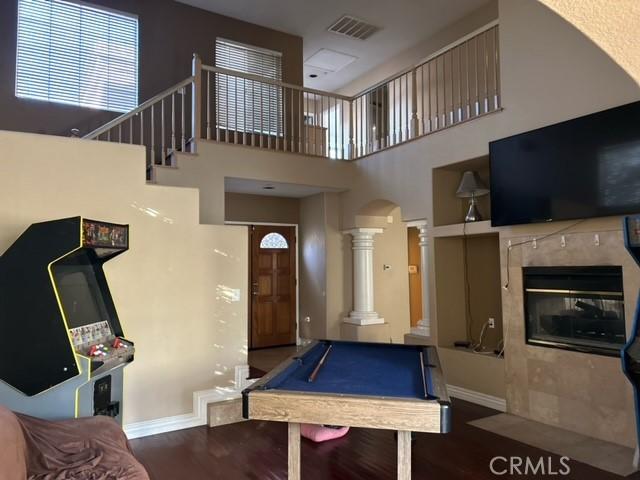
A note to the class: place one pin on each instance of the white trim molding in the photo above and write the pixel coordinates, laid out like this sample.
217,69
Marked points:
201,400
478,398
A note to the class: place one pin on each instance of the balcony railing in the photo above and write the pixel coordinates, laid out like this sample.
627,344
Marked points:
457,84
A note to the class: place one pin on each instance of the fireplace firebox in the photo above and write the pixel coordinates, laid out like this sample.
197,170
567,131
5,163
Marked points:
575,308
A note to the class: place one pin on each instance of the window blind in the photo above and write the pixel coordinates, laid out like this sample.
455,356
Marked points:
246,105
76,54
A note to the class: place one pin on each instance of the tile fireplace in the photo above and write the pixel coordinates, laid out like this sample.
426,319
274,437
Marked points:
575,308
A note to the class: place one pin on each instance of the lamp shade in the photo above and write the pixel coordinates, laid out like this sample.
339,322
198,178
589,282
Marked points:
471,185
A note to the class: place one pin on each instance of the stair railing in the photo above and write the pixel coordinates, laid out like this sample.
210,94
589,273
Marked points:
457,84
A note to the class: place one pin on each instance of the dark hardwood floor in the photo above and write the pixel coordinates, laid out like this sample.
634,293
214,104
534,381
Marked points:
258,450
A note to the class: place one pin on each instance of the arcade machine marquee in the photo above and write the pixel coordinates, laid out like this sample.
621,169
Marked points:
62,348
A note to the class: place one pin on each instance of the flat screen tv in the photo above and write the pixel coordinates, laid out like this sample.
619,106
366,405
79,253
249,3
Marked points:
582,168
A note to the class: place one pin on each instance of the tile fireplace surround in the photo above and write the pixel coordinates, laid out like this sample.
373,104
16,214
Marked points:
581,392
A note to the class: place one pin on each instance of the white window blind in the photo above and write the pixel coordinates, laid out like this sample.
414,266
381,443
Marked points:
247,105
76,54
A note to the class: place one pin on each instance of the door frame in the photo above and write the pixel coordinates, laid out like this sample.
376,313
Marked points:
297,273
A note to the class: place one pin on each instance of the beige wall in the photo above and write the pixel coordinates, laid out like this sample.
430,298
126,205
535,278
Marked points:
313,268
179,290
323,284
391,287
239,207
215,161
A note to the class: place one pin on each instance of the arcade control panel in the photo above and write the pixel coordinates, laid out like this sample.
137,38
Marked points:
98,342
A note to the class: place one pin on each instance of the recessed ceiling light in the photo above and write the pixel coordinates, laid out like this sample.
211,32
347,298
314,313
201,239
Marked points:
268,187
313,75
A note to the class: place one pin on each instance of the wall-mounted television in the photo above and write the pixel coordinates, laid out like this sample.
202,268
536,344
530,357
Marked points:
582,168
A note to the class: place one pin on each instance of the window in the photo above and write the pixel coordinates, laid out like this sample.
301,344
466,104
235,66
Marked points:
273,240
247,105
76,54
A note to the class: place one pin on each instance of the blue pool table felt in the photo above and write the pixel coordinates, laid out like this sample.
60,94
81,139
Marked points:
358,369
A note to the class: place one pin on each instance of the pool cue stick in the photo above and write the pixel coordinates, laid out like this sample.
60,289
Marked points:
424,382
314,374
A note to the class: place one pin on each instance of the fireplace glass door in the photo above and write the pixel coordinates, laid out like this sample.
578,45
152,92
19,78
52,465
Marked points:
575,308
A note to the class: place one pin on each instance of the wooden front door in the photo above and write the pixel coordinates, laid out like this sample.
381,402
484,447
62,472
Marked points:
273,286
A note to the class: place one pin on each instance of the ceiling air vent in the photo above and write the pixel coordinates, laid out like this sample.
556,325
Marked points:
353,27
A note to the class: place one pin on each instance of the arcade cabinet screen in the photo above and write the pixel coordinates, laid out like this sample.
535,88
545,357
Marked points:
80,295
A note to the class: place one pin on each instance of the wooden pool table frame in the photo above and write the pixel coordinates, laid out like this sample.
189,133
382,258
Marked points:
405,415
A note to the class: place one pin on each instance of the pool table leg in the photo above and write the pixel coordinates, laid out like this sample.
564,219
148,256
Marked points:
404,455
294,451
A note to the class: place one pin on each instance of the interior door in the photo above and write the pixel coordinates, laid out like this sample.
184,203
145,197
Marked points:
273,286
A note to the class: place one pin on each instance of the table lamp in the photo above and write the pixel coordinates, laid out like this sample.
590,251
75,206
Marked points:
471,186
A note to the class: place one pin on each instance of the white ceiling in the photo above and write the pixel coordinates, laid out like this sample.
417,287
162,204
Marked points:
404,23
256,187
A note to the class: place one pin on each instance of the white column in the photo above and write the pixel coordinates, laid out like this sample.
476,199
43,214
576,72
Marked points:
424,324
363,303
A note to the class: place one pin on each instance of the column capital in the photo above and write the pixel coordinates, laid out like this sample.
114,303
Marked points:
419,224
370,232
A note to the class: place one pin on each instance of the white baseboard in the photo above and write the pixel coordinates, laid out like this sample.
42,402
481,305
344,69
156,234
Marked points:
478,398
201,399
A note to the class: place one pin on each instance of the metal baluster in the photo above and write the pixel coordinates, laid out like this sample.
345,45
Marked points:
422,90
468,67
393,114
216,96
285,142
445,107
293,127
486,74
430,124
163,152
244,111
460,112
279,96
496,47
131,131
142,127
109,135
269,129
407,133
385,116
335,128
183,140
226,109
120,133
173,123
260,85
437,112
208,105
451,113
301,140
475,63
152,122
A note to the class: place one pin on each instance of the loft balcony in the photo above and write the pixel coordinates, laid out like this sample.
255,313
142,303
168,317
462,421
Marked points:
455,85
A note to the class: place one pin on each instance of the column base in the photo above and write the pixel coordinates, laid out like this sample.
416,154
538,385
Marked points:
422,328
378,333
363,320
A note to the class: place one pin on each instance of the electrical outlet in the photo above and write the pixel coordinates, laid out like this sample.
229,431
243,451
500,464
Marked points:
492,322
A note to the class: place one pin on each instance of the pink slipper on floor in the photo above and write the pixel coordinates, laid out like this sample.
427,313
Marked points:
319,433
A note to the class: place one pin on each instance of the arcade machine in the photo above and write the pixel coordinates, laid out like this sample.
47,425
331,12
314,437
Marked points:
62,348
631,351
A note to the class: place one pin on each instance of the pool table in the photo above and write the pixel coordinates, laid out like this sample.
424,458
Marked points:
371,385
